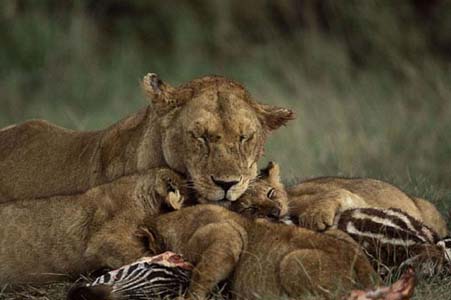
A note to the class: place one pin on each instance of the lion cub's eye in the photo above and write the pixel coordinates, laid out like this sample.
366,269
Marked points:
271,193
250,210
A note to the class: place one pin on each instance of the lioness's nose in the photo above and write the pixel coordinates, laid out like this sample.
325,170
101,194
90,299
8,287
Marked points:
225,185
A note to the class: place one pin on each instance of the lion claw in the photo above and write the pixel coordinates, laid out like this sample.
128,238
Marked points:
175,199
169,188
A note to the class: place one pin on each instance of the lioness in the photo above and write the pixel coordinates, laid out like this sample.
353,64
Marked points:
209,129
51,239
317,202
262,259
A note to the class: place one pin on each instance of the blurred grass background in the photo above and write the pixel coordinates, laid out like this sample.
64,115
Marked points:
369,80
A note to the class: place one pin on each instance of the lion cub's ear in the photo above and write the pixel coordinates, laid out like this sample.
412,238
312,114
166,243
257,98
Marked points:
271,173
273,117
159,92
149,239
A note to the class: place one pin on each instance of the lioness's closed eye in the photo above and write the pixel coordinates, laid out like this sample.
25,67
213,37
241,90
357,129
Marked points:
265,197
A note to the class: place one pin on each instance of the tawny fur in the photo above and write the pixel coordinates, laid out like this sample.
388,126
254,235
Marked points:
385,244
52,239
316,202
64,236
431,216
207,128
266,196
261,258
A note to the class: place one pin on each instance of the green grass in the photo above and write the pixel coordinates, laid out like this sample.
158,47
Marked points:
389,118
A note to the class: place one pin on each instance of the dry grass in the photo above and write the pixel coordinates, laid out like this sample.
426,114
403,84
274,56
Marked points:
55,291
427,290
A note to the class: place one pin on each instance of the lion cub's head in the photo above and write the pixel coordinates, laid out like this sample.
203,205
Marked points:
265,197
214,132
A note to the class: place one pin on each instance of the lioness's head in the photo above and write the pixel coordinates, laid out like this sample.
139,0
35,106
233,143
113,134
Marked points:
214,132
266,196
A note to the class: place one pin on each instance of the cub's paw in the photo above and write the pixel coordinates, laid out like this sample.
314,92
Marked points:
319,216
171,187
324,207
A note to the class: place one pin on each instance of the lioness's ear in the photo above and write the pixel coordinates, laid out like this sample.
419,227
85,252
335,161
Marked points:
271,172
273,117
157,91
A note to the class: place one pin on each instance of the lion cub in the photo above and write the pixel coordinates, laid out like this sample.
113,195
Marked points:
266,196
261,258
47,239
390,237
316,202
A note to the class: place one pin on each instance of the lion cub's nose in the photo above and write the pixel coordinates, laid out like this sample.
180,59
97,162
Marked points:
274,213
225,185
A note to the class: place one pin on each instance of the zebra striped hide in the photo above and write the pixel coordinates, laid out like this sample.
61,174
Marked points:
165,276
392,238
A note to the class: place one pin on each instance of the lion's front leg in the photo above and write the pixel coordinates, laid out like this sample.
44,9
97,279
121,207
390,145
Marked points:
318,211
214,249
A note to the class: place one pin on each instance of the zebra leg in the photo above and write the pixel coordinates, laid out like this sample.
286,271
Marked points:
428,261
214,250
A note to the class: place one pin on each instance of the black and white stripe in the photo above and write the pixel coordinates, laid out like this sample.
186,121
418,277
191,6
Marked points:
390,236
394,225
165,276
144,281
445,243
